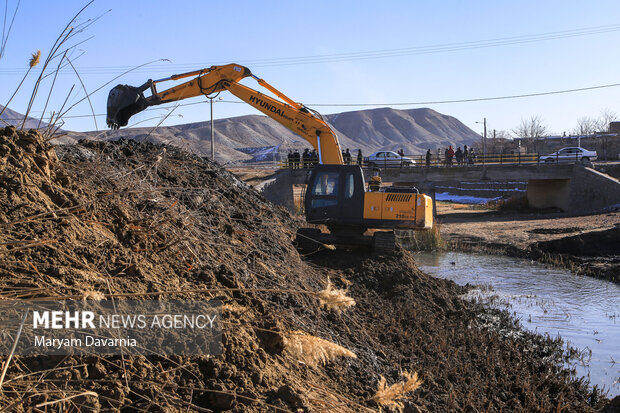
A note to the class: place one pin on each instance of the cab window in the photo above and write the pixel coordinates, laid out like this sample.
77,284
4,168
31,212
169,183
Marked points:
349,185
326,183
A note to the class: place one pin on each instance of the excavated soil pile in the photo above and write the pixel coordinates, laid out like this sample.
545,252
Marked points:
134,218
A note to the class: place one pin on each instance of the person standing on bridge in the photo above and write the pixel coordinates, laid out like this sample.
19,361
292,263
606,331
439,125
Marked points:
428,157
347,157
449,155
360,158
459,156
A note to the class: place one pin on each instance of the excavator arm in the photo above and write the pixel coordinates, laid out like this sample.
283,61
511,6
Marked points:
125,101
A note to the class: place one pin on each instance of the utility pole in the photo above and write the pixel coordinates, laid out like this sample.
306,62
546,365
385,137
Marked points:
212,134
484,142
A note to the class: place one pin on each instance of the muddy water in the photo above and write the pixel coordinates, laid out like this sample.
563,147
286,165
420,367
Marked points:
584,311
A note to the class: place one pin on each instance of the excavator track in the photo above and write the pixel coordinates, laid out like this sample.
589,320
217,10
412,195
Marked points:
383,242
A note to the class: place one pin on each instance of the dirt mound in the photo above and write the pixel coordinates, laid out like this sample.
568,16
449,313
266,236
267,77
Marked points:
134,218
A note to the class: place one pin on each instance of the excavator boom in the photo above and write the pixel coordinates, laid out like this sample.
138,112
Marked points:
336,194
125,101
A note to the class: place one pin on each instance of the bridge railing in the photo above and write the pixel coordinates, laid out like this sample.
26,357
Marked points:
419,161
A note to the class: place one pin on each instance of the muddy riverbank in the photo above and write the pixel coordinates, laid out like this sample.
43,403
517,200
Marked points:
587,245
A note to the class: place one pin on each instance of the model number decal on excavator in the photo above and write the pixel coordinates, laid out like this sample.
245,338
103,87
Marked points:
270,108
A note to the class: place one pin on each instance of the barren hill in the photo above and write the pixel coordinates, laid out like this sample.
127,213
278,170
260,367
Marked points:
15,118
414,130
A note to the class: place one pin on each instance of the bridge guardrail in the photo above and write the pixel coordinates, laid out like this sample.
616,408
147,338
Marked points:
435,161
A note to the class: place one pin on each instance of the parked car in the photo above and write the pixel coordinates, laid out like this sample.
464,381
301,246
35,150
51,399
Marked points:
388,159
572,154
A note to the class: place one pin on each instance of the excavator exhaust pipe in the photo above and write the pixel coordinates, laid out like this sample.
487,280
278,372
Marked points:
124,101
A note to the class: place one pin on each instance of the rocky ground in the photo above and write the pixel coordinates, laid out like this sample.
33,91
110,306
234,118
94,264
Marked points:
587,244
133,218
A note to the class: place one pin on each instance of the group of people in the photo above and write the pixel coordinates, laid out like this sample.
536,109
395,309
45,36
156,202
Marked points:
347,158
308,158
463,156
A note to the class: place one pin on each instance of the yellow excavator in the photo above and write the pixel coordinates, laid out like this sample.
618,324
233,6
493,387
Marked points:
336,194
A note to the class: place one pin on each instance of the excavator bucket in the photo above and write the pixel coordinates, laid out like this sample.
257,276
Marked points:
124,101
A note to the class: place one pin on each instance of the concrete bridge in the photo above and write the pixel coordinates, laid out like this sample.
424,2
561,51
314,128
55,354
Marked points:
571,187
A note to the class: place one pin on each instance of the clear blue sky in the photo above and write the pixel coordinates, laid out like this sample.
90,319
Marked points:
195,34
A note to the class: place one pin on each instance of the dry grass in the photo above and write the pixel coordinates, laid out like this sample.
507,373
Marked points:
94,295
514,203
335,299
393,395
422,240
313,351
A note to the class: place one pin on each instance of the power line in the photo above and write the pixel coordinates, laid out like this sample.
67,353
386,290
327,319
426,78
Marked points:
353,56
428,102
438,102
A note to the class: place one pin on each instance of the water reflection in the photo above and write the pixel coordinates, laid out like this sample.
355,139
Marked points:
584,311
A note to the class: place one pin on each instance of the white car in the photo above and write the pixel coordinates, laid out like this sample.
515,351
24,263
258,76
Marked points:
572,154
383,159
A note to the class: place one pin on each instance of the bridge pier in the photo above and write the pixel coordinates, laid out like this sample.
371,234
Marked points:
547,193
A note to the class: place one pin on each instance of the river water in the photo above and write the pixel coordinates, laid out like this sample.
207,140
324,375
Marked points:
584,311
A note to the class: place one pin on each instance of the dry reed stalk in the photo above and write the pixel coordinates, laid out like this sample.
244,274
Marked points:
393,395
335,299
313,350
68,32
343,403
34,60
86,393
93,295
173,292
8,360
5,33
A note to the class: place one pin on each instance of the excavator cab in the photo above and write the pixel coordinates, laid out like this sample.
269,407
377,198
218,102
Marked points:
124,101
336,197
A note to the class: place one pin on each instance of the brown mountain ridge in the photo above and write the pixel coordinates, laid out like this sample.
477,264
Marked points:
413,130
